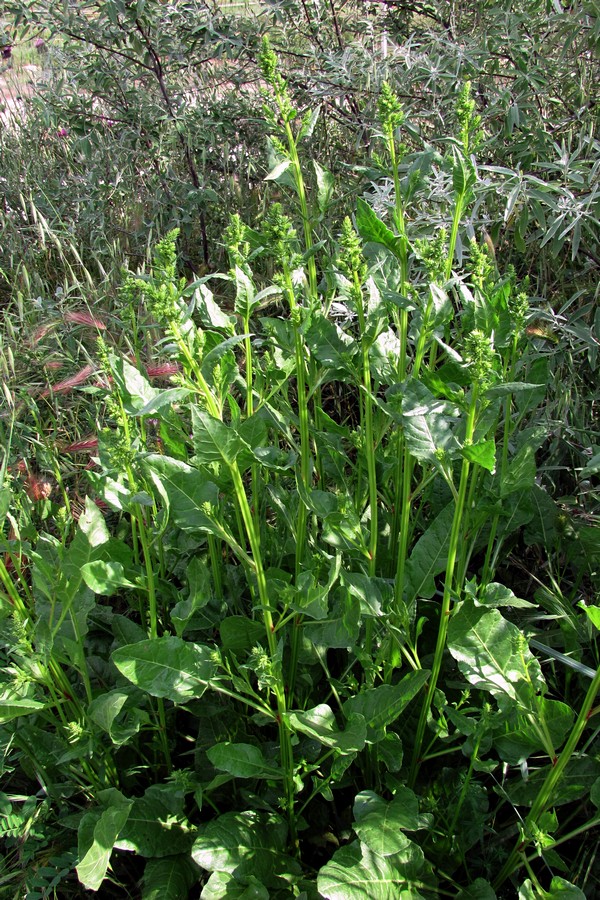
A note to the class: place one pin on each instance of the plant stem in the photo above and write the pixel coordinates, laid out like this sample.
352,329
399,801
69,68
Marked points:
455,535
285,741
544,797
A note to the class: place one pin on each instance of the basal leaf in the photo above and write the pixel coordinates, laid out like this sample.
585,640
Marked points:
380,824
105,577
91,870
356,873
247,843
380,706
14,709
493,654
170,878
156,825
320,724
167,667
241,761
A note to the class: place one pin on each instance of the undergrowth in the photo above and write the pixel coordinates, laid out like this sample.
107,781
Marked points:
298,561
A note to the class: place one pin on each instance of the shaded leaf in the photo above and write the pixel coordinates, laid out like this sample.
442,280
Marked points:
167,667
380,706
241,761
320,724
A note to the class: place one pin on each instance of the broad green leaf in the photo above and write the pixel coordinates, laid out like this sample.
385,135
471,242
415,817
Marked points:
379,824
371,228
325,186
164,398
241,761
105,577
561,889
577,780
199,595
478,890
187,490
427,422
279,170
247,843
213,440
340,628
156,825
170,878
592,612
211,314
223,886
380,706
91,870
482,454
429,557
167,667
135,391
521,472
494,595
320,724
546,728
492,653
330,345
309,121
356,873
463,175
239,633
15,708
93,525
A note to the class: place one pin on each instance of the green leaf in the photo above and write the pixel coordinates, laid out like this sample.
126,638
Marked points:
170,878
15,708
493,654
521,472
241,761
213,440
320,724
134,389
279,170
247,843
156,825
427,422
325,186
592,612
381,706
478,890
380,824
429,556
223,886
190,496
239,633
482,454
211,314
495,595
91,870
105,577
561,889
167,667
164,398
356,873
371,228
463,175
330,345
576,782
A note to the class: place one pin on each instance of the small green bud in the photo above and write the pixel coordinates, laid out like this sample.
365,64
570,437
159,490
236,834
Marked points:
350,259
390,110
471,133
480,356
